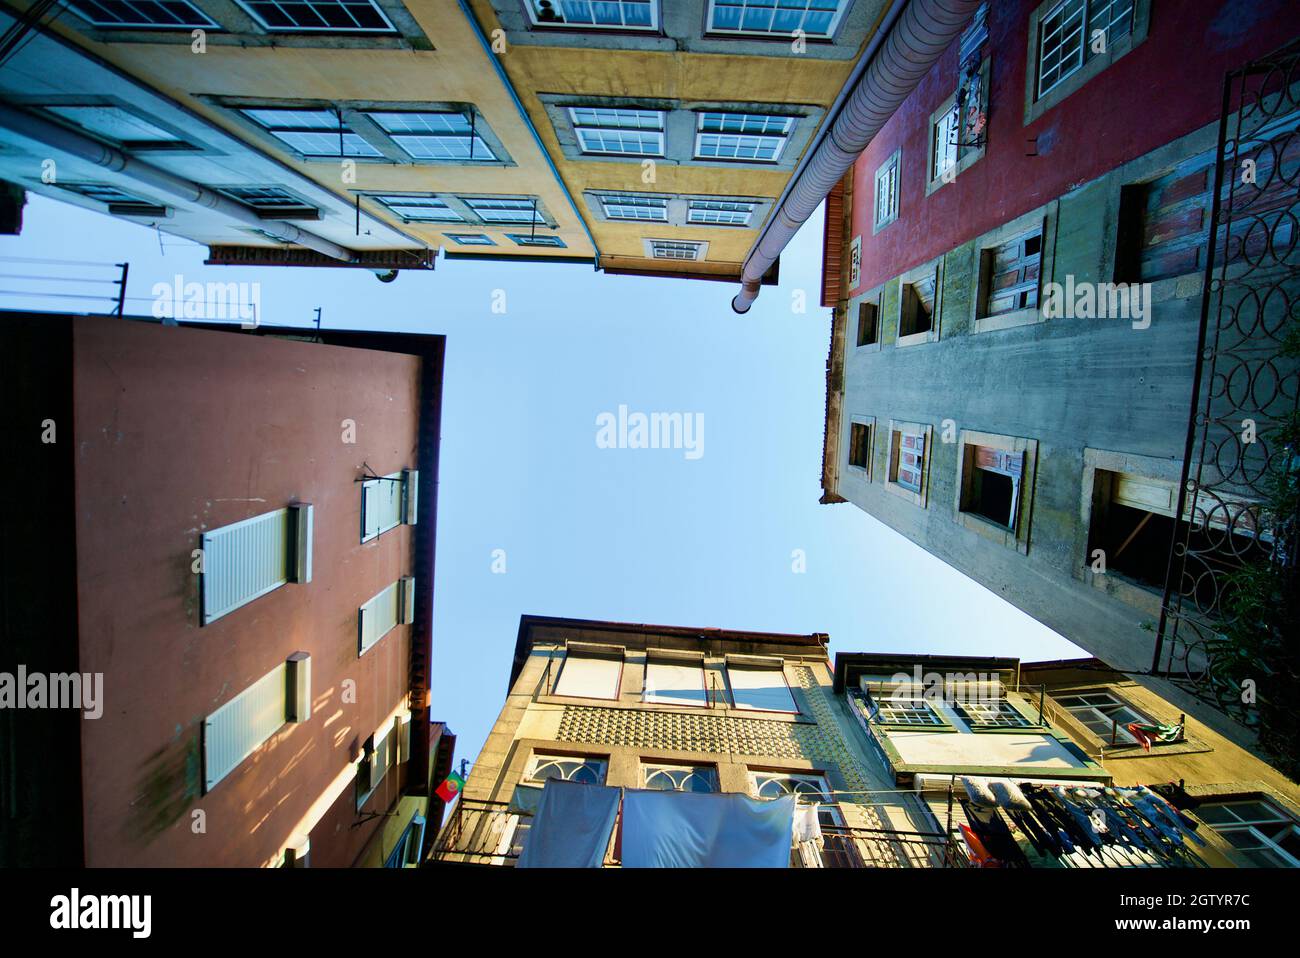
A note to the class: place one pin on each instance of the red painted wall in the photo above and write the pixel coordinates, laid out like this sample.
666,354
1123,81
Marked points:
1165,87
181,430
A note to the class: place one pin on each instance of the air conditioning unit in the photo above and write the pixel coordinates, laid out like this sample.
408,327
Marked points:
300,530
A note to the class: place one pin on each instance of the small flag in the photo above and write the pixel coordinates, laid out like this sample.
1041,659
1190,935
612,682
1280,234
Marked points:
450,788
1147,733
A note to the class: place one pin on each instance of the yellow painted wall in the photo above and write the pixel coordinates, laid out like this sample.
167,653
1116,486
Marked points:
1209,764
679,76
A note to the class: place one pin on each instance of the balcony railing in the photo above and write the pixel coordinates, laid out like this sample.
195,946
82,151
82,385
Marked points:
486,833
1236,552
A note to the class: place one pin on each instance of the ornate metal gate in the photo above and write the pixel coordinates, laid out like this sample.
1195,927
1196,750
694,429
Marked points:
1235,554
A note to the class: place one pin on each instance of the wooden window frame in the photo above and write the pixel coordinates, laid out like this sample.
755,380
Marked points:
1015,536
868,424
897,427
934,271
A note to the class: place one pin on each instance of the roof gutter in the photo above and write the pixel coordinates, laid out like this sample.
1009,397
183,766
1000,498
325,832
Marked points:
528,122
68,141
915,41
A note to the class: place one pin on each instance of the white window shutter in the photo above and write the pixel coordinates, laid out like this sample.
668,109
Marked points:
675,682
381,505
244,561
238,728
759,687
589,676
377,617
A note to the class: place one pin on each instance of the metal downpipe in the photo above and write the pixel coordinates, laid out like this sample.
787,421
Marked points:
915,43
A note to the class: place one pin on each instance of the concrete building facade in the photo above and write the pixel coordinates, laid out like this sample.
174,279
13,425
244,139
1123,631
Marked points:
232,538
992,393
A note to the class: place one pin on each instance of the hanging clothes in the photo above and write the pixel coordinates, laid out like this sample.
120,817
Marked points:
706,830
994,834
807,824
979,855
572,826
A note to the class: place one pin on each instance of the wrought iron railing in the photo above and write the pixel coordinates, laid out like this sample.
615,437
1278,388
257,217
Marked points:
487,833
848,847
480,833
1238,454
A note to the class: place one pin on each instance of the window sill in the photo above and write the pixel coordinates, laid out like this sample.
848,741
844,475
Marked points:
1117,585
868,347
951,175
636,705
993,531
1028,316
915,339
917,499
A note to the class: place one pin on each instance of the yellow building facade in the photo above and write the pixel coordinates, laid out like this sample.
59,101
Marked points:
383,131
704,710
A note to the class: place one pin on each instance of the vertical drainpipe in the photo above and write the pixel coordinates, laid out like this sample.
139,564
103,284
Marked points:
523,115
915,43
421,658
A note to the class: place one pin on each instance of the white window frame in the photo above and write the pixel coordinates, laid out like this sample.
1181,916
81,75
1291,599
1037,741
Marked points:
395,203
1087,12
597,763
656,247
493,210
1038,99
611,203
841,7
581,129
387,28
708,772
911,712
1122,735
888,174
362,148
720,212
200,21
405,140
781,137
1277,826
977,716
567,25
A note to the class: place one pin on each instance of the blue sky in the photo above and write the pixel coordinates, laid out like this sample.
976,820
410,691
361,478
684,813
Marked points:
637,535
